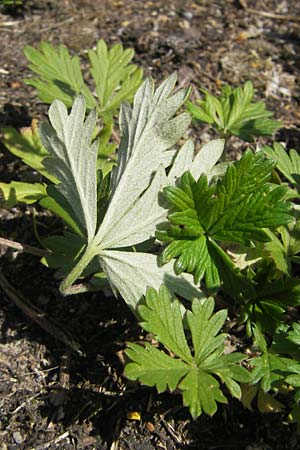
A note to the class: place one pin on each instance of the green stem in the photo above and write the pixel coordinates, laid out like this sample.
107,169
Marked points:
75,273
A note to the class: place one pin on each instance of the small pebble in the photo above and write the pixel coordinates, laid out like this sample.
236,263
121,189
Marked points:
17,437
188,15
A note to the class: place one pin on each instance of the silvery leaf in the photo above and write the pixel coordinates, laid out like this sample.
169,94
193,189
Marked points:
130,273
72,158
183,162
149,131
139,224
207,158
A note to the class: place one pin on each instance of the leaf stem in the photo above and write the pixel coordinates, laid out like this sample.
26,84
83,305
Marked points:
77,270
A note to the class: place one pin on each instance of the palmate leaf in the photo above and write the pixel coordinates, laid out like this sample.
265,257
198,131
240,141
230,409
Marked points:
237,209
270,300
149,131
233,112
290,235
72,159
193,374
140,223
116,79
60,75
204,162
288,163
271,369
286,340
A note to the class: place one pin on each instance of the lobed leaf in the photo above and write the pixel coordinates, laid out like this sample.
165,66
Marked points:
148,132
26,145
129,273
60,76
72,159
116,79
234,113
237,208
154,368
194,374
288,163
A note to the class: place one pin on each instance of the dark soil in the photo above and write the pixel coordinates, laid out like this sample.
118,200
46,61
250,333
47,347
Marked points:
50,396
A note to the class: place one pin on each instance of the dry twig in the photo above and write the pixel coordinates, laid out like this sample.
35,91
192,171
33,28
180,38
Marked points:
23,247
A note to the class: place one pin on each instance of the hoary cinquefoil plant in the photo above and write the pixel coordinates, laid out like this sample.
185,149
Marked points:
149,130
112,221
57,75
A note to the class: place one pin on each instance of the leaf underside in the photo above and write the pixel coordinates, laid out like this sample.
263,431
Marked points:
72,159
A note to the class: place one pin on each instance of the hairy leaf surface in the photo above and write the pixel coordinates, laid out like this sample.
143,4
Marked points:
129,273
148,132
72,159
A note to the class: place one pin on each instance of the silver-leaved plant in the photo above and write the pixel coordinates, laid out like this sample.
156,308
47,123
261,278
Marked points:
149,131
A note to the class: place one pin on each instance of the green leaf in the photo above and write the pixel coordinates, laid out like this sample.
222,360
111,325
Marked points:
274,249
59,75
287,341
286,292
158,369
288,163
106,150
20,192
116,79
27,146
271,369
193,374
201,392
290,235
57,204
72,159
64,250
234,113
237,208
164,319
270,300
